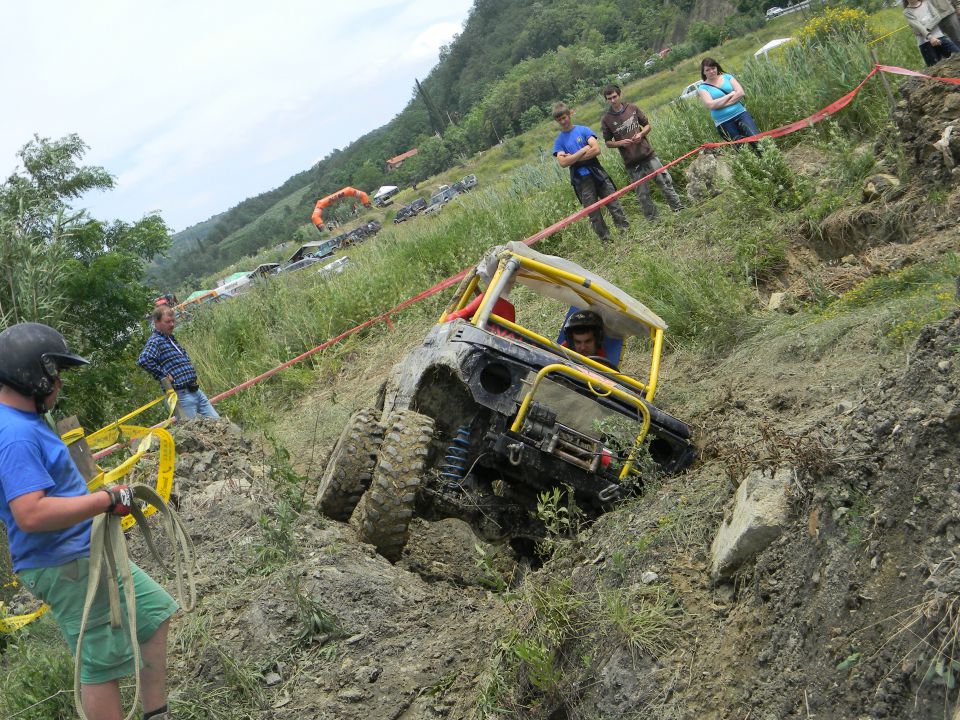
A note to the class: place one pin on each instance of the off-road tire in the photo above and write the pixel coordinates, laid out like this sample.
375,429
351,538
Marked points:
382,517
350,467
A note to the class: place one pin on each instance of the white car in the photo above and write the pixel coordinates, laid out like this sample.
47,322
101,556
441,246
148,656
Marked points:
774,12
691,90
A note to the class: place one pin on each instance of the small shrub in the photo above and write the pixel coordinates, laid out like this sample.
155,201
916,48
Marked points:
767,181
835,23
561,517
37,675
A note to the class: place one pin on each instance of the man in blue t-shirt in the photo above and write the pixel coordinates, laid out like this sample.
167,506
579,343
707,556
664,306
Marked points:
47,510
577,148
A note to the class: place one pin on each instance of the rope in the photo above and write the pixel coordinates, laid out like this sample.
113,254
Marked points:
108,546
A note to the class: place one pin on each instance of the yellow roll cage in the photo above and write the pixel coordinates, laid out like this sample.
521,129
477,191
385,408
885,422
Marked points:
516,267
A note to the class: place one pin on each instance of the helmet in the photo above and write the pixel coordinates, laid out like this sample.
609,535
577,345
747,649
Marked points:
31,357
583,320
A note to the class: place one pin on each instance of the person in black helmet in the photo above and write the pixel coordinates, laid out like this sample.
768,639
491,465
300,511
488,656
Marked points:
584,333
47,510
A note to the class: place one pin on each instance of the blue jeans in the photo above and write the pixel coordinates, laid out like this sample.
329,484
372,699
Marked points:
934,54
195,403
588,191
738,127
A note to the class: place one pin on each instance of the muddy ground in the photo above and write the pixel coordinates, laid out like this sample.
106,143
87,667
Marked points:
852,612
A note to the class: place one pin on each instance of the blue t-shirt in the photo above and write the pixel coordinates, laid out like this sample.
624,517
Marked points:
571,141
731,111
32,458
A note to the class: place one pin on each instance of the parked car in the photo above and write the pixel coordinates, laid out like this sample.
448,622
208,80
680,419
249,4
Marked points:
466,183
298,265
440,198
691,90
335,267
409,211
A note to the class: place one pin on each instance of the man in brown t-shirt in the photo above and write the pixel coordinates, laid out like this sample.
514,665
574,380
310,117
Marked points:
625,127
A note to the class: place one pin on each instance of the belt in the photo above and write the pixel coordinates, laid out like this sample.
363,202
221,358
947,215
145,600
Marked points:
189,387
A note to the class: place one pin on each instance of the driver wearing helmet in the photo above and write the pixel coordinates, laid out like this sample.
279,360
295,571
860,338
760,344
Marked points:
584,333
47,510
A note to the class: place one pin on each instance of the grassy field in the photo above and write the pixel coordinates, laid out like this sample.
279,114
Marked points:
699,270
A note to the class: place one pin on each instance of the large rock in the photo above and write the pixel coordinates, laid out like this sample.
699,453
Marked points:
759,514
707,176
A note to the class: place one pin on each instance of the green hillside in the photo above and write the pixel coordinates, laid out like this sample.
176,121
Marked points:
496,80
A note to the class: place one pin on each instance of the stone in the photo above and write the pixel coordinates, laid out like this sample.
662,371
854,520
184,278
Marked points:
759,514
776,301
879,186
648,577
951,418
844,406
943,366
707,176
272,679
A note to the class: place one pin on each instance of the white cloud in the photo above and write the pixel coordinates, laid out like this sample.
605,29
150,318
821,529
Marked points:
195,106
426,44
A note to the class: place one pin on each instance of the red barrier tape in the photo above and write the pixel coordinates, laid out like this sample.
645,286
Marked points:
913,73
809,121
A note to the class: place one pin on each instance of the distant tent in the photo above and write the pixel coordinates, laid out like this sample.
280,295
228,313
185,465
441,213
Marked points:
770,46
386,191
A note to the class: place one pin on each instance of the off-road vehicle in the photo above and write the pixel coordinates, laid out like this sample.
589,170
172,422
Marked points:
410,211
487,414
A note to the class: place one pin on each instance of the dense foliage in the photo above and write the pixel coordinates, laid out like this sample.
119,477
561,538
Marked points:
80,275
494,80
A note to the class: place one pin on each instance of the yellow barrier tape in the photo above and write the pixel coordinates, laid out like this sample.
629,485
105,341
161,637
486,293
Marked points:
109,434
884,37
15,622
165,467
71,436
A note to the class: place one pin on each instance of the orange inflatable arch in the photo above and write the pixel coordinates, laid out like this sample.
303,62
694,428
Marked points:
340,194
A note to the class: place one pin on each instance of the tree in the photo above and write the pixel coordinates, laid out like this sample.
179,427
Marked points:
80,275
368,177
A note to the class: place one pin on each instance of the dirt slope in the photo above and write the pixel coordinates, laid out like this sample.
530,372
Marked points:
852,612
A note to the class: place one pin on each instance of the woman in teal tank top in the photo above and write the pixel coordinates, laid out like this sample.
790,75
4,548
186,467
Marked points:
722,95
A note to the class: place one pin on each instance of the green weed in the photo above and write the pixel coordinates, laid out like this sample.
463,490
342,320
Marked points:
561,518
315,620
644,618
491,577
37,673
766,182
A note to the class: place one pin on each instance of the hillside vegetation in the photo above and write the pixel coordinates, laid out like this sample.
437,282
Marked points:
494,81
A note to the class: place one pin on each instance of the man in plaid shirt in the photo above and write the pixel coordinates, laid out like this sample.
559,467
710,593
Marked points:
163,357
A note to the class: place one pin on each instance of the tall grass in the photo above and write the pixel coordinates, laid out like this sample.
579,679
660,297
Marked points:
280,318
705,301
790,86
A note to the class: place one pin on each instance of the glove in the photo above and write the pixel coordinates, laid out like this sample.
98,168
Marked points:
121,499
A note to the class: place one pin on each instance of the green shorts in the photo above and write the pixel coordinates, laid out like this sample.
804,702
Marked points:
106,654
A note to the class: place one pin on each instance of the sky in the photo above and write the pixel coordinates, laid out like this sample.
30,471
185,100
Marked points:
195,106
